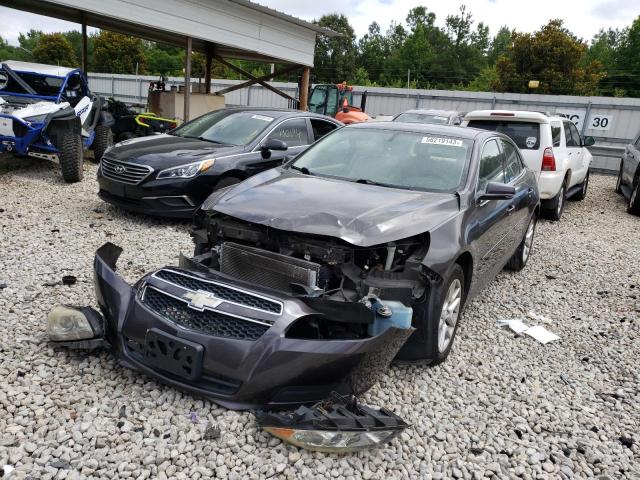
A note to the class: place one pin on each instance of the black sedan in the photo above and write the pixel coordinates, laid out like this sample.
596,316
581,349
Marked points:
628,183
310,277
170,175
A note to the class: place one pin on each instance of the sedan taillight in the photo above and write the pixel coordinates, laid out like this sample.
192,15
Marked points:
548,160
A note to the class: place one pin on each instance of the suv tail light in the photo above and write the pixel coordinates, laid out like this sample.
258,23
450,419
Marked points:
548,160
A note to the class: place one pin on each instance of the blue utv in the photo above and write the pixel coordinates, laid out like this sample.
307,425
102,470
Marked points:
48,112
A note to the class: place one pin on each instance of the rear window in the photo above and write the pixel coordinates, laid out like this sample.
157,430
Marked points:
526,135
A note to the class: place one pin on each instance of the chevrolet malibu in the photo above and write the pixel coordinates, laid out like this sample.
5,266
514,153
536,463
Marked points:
311,277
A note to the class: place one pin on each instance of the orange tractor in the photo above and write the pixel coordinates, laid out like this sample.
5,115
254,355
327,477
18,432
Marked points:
336,101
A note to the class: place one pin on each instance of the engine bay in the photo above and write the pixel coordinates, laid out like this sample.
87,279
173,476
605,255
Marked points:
330,275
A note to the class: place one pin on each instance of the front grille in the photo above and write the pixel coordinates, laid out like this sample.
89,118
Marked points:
266,268
223,292
213,323
129,173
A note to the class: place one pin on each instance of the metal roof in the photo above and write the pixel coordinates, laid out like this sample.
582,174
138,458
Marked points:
52,70
235,28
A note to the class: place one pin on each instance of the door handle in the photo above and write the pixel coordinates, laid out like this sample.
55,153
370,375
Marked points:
510,209
530,191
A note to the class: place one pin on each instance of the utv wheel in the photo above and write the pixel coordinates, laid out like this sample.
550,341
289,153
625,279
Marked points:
583,189
619,181
102,141
521,256
71,157
634,200
557,205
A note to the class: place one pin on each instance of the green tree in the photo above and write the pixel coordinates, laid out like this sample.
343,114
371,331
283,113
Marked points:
335,57
372,55
116,53
625,74
499,45
28,41
551,55
55,49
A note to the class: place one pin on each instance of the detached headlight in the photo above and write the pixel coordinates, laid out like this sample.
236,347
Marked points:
337,425
186,171
66,323
36,118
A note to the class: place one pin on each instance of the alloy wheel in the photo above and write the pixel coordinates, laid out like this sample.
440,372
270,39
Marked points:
449,315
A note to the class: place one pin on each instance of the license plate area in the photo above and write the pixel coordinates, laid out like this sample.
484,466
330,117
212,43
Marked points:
173,355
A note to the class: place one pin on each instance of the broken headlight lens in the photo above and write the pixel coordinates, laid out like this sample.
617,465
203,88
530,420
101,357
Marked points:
66,323
333,441
186,171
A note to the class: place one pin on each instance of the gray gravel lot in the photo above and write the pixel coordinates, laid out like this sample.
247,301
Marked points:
501,406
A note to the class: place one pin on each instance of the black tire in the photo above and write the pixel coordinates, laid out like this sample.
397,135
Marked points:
227,182
619,181
583,189
423,345
554,211
70,157
521,256
633,207
102,141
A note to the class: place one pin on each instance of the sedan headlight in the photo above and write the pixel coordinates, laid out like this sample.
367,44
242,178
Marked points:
66,324
186,171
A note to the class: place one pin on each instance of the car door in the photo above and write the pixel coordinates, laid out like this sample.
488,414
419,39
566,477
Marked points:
514,170
490,218
574,153
295,133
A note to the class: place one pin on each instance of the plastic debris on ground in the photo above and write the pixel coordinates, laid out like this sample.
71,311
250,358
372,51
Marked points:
538,332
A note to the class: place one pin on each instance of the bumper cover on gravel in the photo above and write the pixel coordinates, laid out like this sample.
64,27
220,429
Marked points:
234,352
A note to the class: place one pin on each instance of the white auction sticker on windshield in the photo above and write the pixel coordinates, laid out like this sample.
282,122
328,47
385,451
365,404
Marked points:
262,117
531,141
442,141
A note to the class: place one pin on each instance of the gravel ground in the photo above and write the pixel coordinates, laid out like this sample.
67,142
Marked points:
501,406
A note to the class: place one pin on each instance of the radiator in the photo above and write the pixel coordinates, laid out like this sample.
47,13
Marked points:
266,268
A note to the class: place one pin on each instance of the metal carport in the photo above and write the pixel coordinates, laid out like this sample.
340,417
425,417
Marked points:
221,29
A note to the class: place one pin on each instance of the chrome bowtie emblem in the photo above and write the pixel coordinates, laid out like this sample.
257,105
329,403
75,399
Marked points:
200,300
119,169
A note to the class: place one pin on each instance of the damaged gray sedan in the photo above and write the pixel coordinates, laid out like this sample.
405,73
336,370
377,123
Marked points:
310,278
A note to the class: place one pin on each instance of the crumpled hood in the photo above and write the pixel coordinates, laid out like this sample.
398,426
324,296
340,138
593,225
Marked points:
360,214
30,109
163,151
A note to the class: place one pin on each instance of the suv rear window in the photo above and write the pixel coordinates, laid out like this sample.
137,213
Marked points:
526,135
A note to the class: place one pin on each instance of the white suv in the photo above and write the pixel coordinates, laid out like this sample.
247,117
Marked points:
550,146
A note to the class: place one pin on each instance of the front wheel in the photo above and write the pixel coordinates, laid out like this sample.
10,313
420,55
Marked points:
583,189
102,141
521,256
634,200
436,321
70,157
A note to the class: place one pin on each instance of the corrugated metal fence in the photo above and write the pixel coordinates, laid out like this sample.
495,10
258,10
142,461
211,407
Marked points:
614,122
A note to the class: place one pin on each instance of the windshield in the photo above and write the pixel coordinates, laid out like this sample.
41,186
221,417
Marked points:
47,86
422,118
237,128
526,135
392,158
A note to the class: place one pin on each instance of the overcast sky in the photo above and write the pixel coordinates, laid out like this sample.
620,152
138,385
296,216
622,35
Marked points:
584,17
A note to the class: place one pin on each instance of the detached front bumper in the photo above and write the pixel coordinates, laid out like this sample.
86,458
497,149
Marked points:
205,333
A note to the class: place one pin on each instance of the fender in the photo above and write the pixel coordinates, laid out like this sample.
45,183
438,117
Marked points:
83,109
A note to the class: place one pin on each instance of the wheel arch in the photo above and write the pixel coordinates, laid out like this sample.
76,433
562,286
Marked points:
465,260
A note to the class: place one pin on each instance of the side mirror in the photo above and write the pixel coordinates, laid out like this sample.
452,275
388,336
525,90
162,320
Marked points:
272,144
497,191
588,141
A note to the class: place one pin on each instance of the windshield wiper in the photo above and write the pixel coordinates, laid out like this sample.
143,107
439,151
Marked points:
205,139
366,181
304,170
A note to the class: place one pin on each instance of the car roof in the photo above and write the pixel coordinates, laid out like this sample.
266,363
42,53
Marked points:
428,128
513,115
444,113
41,68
